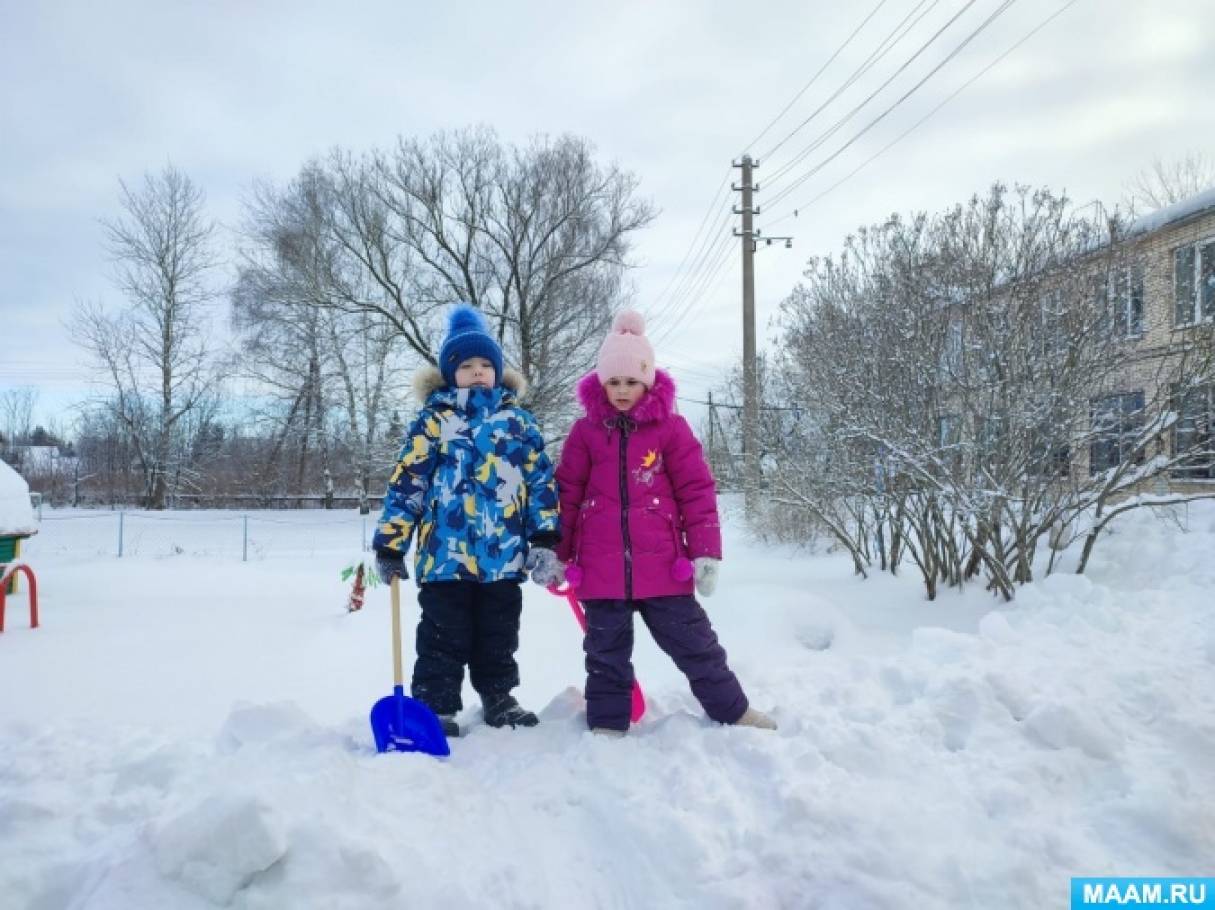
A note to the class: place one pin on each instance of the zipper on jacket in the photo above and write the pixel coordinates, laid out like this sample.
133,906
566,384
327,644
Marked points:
624,508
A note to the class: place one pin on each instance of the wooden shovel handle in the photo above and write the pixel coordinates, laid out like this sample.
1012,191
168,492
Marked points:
397,676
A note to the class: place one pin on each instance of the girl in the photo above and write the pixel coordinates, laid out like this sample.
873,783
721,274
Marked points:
639,531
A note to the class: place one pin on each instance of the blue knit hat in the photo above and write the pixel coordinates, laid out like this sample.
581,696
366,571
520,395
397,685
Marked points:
468,336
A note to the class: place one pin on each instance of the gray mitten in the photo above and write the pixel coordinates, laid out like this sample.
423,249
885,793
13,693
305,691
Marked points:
706,568
546,569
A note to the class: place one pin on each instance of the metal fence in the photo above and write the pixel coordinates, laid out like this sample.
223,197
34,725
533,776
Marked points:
233,535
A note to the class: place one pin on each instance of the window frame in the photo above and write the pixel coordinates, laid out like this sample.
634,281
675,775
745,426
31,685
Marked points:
1194,472
1052,326
953,348
1125,288
1112,439
1197,309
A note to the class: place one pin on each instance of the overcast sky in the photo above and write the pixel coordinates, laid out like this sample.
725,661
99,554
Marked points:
233,92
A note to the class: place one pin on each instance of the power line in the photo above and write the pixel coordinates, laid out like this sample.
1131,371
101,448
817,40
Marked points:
839,124
702,377
686,296
722,252
887,44
688,279
737,407
703,221
783,194
814,78
696,367
696,364
1041,25
680,283
708,280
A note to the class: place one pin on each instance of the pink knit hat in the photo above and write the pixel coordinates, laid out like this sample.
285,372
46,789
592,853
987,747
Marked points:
626,351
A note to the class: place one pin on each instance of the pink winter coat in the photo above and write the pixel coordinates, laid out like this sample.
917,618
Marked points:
637,497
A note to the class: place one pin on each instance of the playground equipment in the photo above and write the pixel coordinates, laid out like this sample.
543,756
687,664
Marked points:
9,574
17,522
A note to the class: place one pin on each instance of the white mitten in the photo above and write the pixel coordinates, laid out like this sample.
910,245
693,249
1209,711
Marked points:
706,568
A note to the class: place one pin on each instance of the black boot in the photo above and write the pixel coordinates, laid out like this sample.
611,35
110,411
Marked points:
448,723
504,711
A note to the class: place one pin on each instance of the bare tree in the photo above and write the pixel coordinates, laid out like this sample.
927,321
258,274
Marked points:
284,348
1165,182
324,363
364,362
537,237
951,379
1168,434
153,353
17,412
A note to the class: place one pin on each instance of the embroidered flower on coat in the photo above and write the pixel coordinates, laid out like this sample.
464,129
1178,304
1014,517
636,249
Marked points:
650,465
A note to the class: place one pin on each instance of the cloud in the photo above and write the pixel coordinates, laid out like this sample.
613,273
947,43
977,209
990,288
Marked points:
232,92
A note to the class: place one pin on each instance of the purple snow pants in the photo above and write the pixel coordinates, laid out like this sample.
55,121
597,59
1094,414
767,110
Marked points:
681,628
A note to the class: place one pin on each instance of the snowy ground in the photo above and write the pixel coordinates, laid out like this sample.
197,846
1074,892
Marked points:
189,730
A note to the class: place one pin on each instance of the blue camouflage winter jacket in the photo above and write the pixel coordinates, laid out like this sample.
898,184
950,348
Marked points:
473,480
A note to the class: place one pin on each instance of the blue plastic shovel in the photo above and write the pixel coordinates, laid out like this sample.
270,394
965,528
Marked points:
399,723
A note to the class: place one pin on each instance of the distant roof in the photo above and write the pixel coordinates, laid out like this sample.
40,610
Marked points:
1178,211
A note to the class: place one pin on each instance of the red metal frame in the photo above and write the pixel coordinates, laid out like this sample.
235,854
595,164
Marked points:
33,582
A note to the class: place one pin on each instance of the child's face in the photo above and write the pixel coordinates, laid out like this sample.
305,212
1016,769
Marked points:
475,371
624,392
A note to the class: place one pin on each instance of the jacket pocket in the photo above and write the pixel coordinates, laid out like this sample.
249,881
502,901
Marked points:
661,525
592,528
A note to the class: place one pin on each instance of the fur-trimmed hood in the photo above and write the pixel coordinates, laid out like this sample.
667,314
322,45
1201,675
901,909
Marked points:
655,406
428,379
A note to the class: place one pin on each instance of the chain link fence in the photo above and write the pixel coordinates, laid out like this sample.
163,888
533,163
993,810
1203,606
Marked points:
243,536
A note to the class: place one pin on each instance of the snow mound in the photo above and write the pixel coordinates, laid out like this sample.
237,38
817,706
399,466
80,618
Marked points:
1069,730
217,847
251,724
995,627
1059,726
815,636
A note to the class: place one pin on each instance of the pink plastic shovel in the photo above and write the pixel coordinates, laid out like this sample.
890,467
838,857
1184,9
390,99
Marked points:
638,708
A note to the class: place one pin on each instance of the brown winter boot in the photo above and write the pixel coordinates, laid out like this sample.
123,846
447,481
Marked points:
753,718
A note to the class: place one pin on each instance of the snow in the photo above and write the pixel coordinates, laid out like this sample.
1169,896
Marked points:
1154,221
16,513
188,730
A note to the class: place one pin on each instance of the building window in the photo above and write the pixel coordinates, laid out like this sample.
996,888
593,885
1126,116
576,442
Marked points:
1194,283
1049,458
951,354
949,430
1116,421
1126,301
1052,311
1193,439
949,439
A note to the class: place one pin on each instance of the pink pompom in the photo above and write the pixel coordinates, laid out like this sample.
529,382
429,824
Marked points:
629,322
682,570
573,575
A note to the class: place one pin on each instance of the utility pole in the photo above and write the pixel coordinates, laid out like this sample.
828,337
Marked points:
750,380
750,236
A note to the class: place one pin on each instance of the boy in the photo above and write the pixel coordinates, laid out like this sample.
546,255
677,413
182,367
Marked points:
474,481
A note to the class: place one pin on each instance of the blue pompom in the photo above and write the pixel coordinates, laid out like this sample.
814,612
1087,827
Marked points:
466,318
